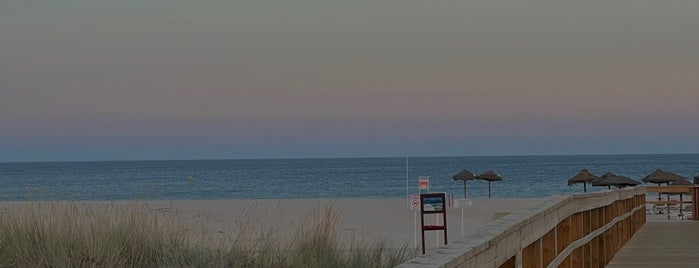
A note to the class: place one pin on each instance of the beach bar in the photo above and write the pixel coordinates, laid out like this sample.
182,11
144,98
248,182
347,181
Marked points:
578,230
691,190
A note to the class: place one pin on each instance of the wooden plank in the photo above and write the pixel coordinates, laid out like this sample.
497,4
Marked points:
576,226
564,238
548,247
587,226
531,255
563,234
671,202
586,223
576,258
510,263
607,243
566,262
661,244
595,219
670,189
595,261
587,255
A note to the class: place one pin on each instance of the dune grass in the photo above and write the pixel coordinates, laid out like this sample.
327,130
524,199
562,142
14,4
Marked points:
65,234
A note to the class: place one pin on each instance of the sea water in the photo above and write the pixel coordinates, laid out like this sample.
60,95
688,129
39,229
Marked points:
523,176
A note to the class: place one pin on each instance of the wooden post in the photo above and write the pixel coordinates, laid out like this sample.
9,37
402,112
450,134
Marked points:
695,204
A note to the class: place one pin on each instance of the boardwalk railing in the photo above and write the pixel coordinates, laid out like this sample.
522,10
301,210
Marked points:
579,230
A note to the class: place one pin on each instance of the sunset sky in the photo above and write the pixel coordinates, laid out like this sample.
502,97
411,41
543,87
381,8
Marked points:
175,79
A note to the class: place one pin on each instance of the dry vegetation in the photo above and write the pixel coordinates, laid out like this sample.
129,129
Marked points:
63,234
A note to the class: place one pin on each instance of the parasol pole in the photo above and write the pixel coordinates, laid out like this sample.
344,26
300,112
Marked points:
681,205
668,206
464,189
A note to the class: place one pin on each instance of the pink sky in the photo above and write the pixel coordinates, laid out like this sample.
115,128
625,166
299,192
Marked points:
162,79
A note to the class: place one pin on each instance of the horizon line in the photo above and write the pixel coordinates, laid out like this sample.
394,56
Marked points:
341,157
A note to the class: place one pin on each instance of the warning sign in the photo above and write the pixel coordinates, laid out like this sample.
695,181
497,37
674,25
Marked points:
415,201
424,183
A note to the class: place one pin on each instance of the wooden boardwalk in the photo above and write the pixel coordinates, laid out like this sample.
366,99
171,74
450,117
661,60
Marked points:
661,244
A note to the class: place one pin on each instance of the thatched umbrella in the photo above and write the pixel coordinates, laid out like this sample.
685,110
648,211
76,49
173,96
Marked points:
677,182
583,177
601,182
659,177
607,175
681,181
616,181
464,175
489,176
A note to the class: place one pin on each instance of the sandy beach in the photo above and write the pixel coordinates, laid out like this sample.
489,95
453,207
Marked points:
358,219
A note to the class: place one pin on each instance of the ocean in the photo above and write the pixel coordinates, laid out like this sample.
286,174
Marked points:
523,176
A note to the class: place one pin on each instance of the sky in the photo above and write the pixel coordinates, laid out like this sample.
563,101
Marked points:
209,79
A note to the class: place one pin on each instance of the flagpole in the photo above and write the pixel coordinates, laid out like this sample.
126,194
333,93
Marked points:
407,191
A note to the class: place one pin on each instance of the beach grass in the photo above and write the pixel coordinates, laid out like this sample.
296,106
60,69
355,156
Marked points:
66,234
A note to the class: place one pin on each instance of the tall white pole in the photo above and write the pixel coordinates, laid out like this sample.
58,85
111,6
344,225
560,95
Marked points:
437,236
407,186
415,225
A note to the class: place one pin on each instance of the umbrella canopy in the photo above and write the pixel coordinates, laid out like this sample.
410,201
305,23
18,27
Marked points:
607,175
464,175
678,183
583,177
601,182
489,176
659,176
616,181
681,182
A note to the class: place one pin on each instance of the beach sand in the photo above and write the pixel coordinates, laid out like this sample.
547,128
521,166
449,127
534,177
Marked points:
358,219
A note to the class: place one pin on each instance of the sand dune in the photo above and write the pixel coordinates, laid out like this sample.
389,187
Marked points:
358,219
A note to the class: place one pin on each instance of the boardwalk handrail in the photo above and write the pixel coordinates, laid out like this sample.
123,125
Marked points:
578,230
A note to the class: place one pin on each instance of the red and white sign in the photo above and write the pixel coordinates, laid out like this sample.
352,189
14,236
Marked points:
415,201
424,183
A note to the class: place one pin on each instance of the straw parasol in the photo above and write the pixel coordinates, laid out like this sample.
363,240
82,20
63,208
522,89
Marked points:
659,177
601,182
616,181
678,182
489,176
607,175
464,175
583,177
